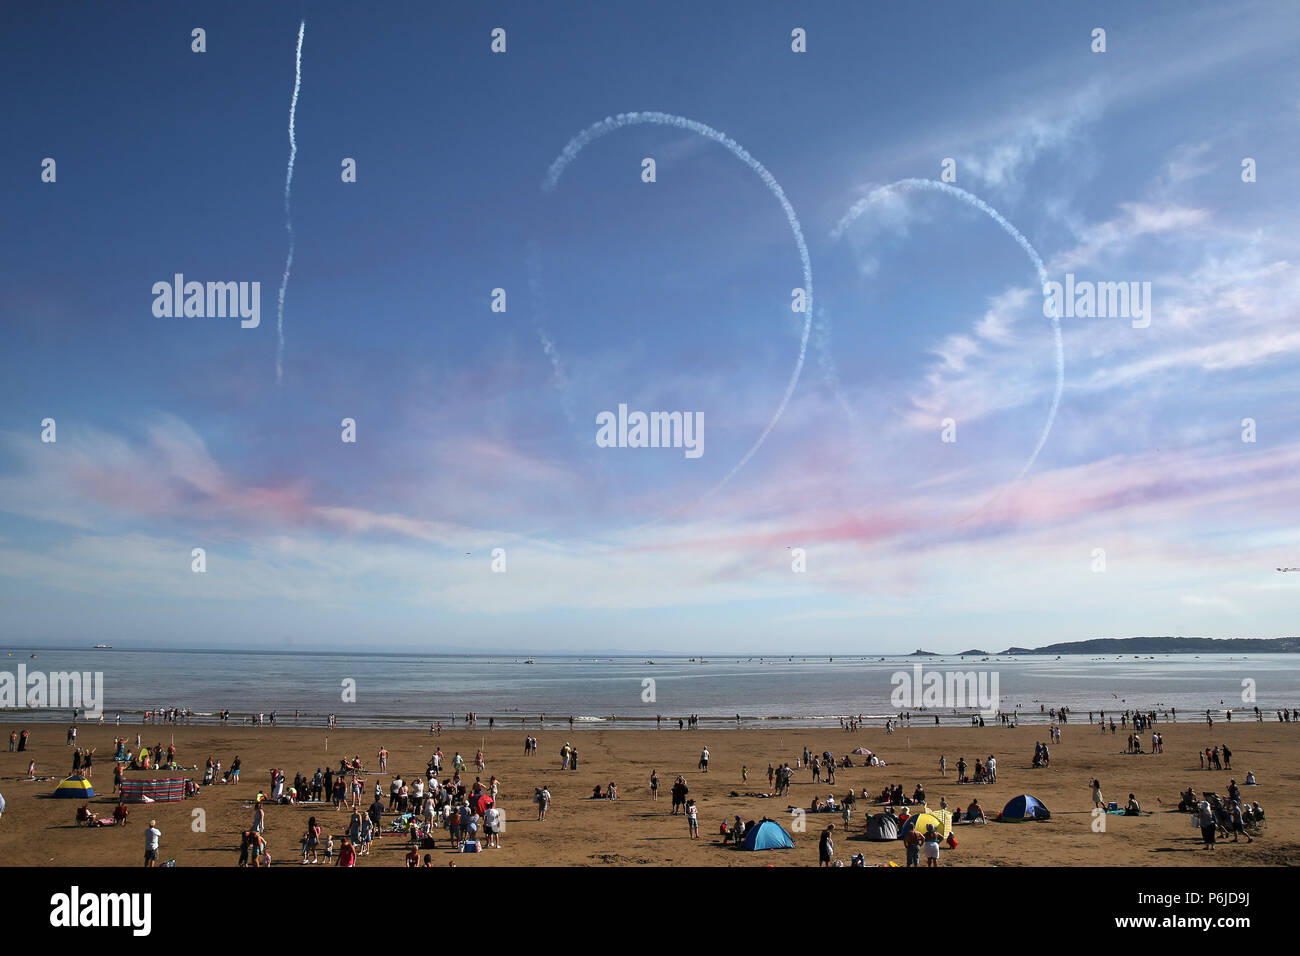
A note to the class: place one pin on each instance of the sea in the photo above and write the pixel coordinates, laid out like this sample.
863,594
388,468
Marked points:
417,690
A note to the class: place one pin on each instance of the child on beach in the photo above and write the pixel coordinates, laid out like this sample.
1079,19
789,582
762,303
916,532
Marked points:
347,855
693,819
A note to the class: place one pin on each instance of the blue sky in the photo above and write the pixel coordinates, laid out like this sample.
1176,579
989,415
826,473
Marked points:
476,429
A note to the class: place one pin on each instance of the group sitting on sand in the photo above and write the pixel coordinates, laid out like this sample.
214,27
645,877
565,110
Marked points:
86,817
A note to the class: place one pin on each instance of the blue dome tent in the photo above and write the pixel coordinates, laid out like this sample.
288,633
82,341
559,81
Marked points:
1024,807
768,835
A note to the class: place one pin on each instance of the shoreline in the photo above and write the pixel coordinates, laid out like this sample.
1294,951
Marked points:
920,719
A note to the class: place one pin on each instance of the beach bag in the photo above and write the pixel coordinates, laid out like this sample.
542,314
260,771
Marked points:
469,846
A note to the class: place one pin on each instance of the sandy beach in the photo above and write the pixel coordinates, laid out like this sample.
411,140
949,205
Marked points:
38,830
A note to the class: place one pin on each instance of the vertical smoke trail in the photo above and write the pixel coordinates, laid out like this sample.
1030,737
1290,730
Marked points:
861,206
609,125
535,287
288,219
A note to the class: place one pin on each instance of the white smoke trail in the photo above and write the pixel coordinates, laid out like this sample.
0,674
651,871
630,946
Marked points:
861,206
558,378
288,219
609,125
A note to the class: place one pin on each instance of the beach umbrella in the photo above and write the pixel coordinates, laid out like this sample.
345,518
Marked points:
863,752
941,820
76,787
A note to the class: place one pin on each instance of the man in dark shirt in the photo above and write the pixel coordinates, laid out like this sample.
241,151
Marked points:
826,846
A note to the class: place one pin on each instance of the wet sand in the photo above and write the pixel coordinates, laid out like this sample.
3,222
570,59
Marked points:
37,830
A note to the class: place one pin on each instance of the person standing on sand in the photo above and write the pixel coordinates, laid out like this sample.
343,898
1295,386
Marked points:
693,819
383,758
152,837
703,765
543,802
826,846
931,845
347,855
1098,802
943,765
1205,817
679,794
312,838
573,759
1239,824
365,834
912,842
654,784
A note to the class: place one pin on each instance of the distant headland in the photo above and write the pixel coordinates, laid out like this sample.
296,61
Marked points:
1149,645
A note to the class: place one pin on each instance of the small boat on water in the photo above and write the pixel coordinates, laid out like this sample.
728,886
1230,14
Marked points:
103,647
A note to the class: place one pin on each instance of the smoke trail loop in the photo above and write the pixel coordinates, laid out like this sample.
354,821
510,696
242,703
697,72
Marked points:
970,199
622,120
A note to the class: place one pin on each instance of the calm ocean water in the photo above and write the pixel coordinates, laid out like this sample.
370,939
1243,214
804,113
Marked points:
395,690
